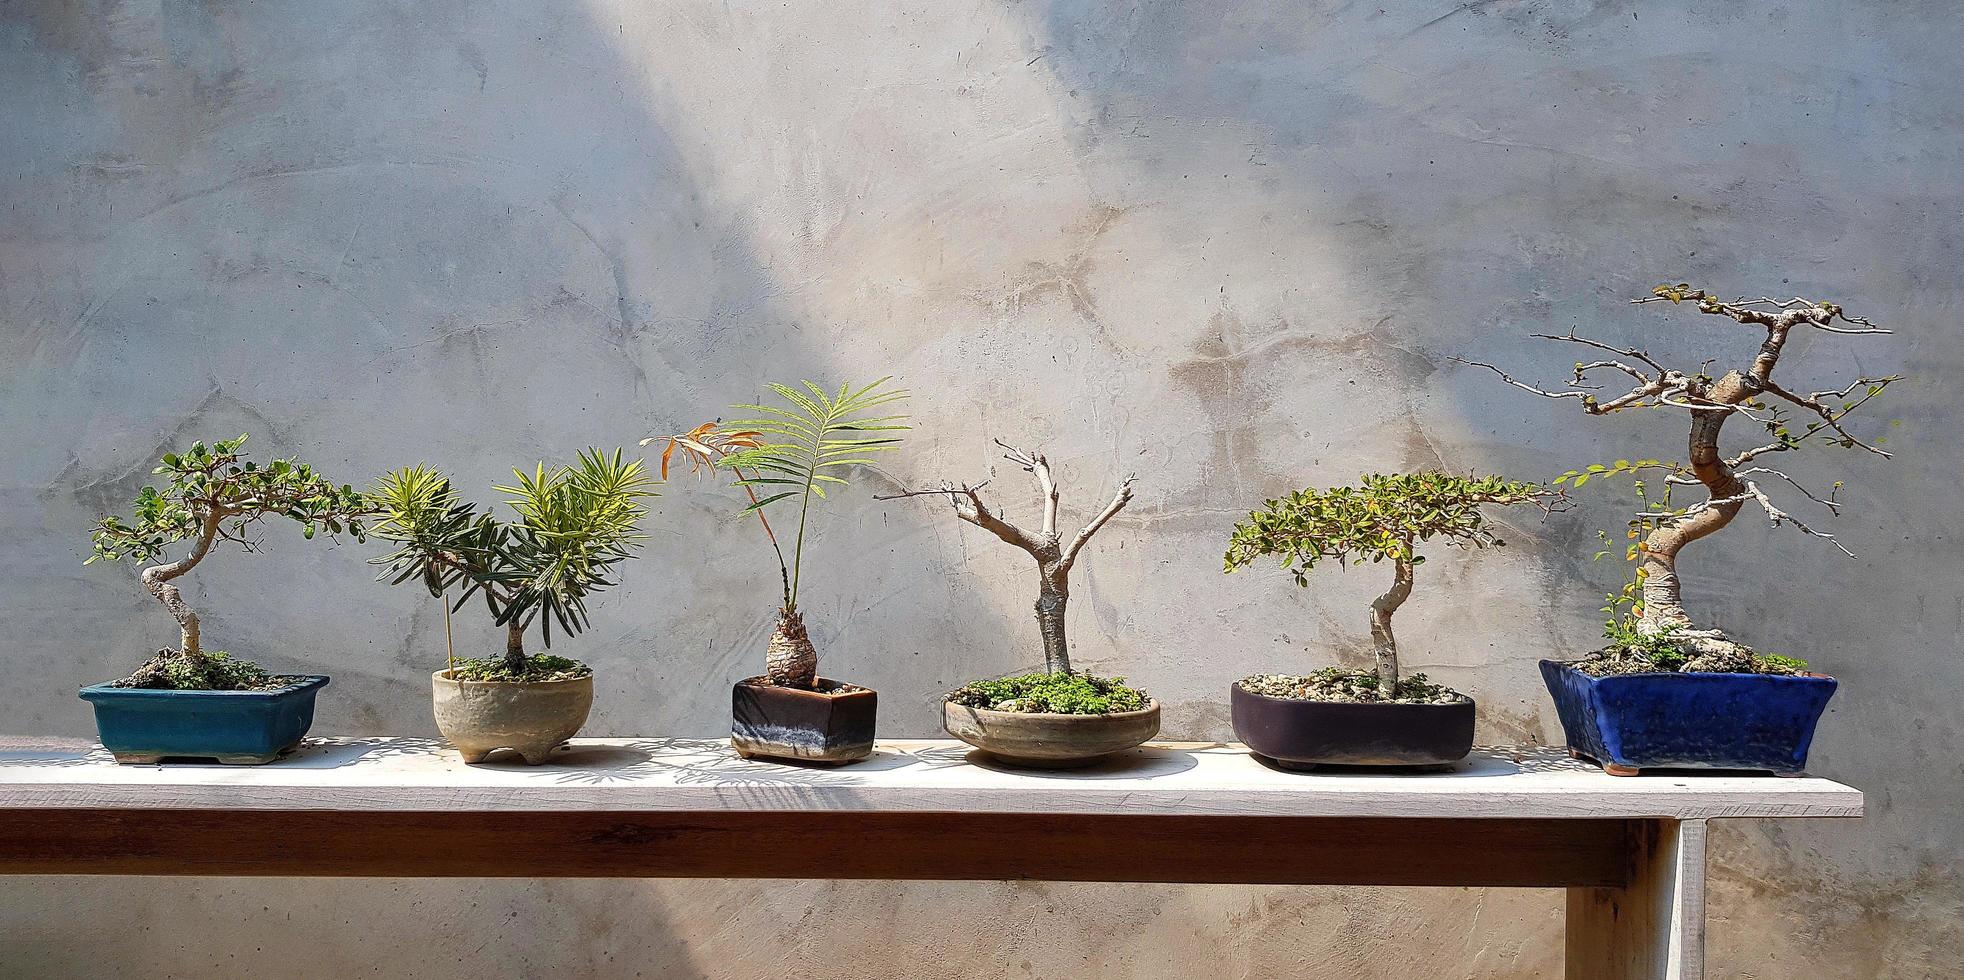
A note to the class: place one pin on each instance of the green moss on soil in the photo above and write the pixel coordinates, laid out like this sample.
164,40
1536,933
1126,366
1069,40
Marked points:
212,671
538,667
1663,659
1063,694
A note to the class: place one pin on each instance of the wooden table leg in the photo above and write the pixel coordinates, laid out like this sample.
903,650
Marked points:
1653,928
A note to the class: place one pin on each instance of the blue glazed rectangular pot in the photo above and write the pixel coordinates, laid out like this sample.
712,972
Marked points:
1689,720
247,728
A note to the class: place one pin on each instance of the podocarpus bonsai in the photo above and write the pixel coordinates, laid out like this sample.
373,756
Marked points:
1058,717
1383,519
574,524
788,454
213,495
1652,631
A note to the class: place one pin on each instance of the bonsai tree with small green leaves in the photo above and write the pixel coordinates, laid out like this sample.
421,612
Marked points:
1382,519
1649,626
785,457
214,494
573,525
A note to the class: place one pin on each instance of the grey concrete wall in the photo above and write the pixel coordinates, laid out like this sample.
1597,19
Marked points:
1230,246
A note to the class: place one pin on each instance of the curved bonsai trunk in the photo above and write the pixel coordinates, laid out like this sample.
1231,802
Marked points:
1052,597
157,578
791,661
1663,598
1382,642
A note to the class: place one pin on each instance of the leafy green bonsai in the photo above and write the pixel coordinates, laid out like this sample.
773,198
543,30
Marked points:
1649,628
1382,519
1057,689
215,494
791,453
574,524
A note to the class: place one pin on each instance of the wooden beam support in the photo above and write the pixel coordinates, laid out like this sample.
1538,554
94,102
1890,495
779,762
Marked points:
1528,853
1654,927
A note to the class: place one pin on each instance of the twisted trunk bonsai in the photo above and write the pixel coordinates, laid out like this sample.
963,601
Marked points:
1058,687
1384,518
1657,632
215,494
789,452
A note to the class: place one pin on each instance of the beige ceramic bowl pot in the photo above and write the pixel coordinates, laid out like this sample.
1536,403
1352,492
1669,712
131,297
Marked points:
530,718
1049,741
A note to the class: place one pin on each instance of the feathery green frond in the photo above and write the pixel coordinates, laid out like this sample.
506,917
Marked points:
817,430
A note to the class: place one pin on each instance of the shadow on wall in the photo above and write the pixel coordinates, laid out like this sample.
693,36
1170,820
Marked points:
1448,178
369,236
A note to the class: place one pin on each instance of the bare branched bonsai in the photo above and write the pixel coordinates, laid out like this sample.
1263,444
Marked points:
215,494
575,523
1730,482
791,452
1047,545
1384,518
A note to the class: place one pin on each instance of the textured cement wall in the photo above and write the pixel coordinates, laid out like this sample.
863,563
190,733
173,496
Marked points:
1228,246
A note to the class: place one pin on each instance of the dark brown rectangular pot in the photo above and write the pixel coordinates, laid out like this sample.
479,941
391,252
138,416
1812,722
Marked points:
1299,734
772,722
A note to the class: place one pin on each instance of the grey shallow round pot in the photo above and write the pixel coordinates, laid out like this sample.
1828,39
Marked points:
1301,734
1049,741
531,718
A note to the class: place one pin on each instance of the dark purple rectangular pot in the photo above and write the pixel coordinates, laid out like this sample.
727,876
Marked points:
1299,734
773,722
1630,722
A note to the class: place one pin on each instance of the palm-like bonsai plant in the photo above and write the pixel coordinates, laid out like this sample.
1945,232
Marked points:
1057,689
1384,518
573,525
785,456
1708,700
214,494
1378,717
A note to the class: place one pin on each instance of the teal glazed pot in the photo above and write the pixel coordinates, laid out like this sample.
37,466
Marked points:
239,728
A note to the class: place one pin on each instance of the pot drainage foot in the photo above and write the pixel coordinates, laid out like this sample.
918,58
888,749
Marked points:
246,760
136,759
1615,769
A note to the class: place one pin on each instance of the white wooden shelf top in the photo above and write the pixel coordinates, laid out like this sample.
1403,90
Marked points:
634,774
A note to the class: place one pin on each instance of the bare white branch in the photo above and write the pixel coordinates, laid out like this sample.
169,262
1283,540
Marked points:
1833,505
1119,500
1037,465
1635,352
1779,517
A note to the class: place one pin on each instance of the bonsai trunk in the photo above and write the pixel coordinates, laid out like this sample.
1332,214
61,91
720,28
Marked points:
1663,598
1054,557
1382,642
157,579
1052,598
515,646
791,661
